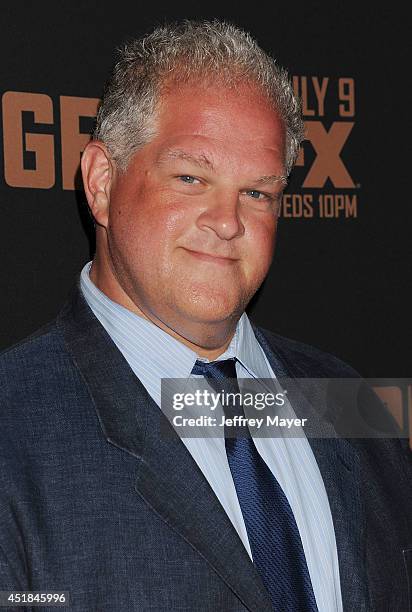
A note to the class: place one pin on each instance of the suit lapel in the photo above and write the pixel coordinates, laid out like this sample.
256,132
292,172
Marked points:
339,465
168,479
173,485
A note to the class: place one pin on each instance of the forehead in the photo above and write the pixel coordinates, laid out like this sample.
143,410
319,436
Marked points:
219,122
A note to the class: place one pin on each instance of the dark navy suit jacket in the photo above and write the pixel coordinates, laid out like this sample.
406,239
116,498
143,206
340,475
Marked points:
96,501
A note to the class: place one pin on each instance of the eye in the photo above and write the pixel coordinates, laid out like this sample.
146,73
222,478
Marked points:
260,196
256,195
189,180
263,201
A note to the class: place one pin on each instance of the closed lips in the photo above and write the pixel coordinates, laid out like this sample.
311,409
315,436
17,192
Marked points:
209,256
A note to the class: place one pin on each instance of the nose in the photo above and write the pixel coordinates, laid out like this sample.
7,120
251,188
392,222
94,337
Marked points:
221,216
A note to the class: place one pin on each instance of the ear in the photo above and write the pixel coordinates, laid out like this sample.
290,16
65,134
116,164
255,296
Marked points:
98,173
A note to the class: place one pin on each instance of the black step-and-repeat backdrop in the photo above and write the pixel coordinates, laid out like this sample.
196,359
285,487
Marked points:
342,271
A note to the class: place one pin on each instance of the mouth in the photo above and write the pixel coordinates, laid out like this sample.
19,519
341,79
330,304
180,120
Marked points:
218,259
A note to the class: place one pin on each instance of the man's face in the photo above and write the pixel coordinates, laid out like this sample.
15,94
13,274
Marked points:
192,221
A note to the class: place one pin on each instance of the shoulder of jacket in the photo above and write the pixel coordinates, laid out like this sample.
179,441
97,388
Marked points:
310,360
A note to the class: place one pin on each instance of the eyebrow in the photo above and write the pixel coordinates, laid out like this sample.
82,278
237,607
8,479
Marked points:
200,160
272,178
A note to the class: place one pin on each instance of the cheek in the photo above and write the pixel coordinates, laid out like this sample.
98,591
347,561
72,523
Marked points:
149,224
260,240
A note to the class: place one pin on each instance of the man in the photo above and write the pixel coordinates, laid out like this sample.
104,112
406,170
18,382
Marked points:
196,135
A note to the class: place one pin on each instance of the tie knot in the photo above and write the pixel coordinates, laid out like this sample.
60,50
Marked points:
219,370
221,375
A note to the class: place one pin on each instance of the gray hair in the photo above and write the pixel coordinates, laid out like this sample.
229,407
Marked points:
184,52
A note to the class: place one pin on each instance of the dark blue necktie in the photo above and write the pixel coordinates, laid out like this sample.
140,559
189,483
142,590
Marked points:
271,527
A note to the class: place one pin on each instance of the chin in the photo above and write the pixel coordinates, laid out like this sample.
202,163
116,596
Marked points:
212,308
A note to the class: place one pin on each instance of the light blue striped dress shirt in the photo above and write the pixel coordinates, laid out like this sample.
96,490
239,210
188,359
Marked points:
153,354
